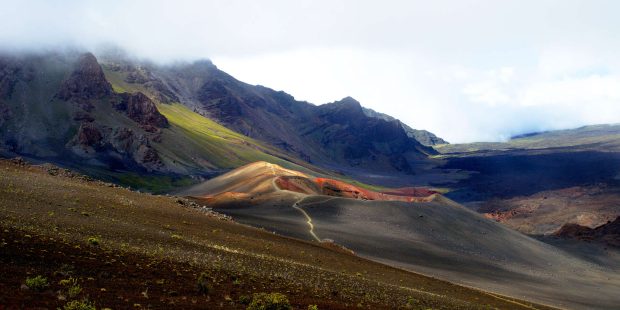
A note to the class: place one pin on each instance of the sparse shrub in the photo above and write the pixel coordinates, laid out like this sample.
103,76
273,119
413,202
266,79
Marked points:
37,283
271,301
79,305
313,307
245,299
94,241
411,303
74,290
65,282
203,284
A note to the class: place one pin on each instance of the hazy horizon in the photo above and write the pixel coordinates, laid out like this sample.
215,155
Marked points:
464,70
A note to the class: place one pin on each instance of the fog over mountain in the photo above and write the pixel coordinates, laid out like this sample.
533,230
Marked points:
465,70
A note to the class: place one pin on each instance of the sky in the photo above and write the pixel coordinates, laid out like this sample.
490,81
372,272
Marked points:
465,70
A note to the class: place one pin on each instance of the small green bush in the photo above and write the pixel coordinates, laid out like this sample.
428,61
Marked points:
79,305
245,299
313,307
203,284
37,283
74,290
271,301
94,241
411,303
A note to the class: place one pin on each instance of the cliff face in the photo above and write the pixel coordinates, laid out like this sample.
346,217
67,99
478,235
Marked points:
61,107
141,109
86,83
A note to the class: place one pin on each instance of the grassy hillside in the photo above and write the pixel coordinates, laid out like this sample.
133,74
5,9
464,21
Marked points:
194,141
124,249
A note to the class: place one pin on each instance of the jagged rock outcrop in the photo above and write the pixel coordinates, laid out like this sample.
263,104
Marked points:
89,135
141,109
86,83
92,139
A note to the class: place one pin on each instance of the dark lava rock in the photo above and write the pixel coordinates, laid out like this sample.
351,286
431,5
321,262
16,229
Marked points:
89,135
141,109
87,82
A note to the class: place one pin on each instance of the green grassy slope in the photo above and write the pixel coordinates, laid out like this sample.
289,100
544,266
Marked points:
194,142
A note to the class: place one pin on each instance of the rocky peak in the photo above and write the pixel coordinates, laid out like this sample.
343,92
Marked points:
347,110
86,82
141,109
349,104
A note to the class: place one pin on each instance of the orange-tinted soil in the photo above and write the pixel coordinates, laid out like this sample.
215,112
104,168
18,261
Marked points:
335,188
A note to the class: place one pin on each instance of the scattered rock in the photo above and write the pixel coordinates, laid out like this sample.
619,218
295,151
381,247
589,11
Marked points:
204,209
19,161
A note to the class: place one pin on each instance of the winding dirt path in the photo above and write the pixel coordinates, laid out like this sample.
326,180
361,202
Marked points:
297,204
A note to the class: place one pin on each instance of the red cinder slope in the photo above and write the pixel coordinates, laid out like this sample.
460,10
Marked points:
341,189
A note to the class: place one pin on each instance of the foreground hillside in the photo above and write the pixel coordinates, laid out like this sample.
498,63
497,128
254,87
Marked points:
124,249
428,234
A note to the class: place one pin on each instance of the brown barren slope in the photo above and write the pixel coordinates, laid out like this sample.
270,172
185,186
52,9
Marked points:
545,212
151,249
434,236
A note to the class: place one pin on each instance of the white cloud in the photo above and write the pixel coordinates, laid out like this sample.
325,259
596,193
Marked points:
467,70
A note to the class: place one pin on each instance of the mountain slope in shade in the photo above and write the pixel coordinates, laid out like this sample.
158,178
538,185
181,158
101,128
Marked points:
62,108
335,134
